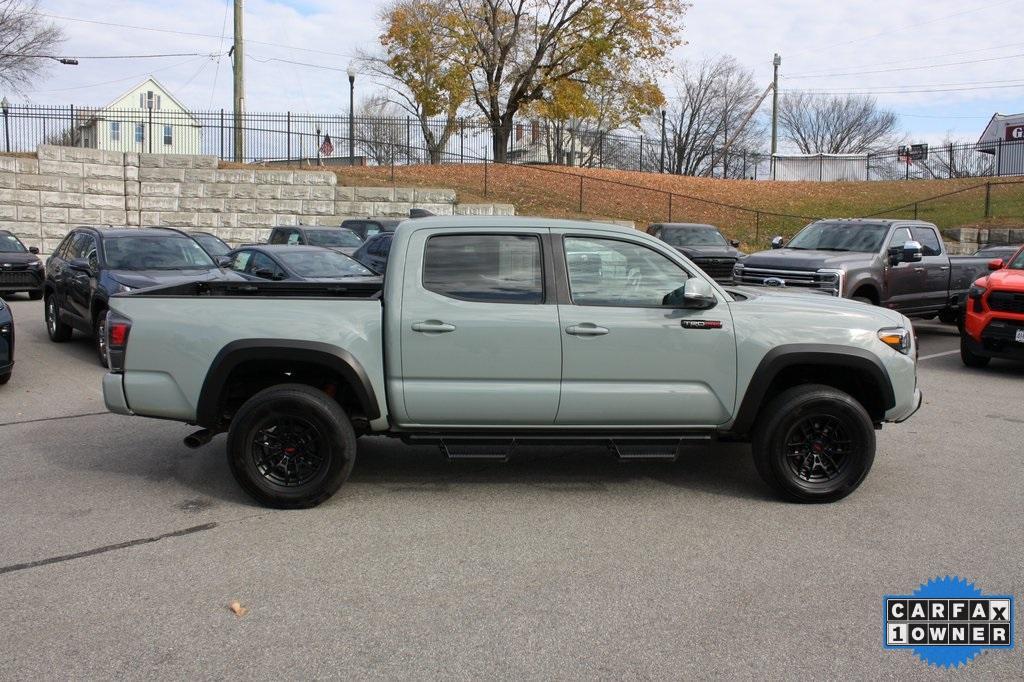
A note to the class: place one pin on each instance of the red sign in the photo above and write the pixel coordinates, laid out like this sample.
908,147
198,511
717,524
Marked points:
1014,133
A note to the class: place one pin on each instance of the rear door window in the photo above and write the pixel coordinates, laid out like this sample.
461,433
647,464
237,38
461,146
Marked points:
491,268
929,242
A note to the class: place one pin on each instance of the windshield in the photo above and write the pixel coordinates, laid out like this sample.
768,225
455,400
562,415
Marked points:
335,237
698,235
322,264
10,244
1018,262
213,245
155,253
860,237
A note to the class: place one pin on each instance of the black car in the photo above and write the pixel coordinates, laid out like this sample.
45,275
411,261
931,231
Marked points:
374,253
6,343
1002,252
211,243
92,264
343,240
295,264
703,244
20,267
367,227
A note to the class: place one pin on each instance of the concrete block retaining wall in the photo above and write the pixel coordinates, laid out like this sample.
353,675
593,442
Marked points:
63,187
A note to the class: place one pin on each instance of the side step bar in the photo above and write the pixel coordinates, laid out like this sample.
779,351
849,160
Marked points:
625,449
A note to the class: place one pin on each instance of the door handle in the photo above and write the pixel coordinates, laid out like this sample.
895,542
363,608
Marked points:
944,267
433,327
586,329
918,269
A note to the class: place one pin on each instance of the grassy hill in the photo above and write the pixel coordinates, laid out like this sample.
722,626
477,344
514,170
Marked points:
644,197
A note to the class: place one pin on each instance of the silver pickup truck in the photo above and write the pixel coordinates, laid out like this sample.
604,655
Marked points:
491,333
898,264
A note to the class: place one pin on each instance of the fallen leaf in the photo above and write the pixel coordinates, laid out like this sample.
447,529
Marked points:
238,609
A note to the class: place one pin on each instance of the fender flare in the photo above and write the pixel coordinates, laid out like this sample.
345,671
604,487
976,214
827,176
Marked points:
865,281
245,350
783,357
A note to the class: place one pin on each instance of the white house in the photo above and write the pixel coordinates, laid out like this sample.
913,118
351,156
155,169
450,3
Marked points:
147,118
1003,138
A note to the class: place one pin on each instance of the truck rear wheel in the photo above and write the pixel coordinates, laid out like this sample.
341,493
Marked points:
814,443
291,446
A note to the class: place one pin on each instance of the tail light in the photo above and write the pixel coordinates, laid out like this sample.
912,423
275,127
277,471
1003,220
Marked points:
118,328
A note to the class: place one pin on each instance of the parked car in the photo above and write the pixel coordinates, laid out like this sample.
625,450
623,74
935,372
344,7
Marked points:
343,240
295,264
993,318
92,264
20,267
374,253
367,227
704,244
1003,251
490,336
6,342
211,243
897,264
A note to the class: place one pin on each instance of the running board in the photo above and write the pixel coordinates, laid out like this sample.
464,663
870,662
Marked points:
493,450
651,449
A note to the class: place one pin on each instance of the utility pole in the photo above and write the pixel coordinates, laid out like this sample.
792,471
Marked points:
662,164
775,106
239,94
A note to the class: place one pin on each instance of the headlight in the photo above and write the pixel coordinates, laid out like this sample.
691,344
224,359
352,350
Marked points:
896,338
976,294
831,280
35,265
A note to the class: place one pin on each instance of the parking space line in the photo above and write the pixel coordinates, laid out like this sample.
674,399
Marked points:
937,355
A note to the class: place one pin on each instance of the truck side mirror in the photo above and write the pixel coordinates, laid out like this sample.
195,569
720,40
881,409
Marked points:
778,242
734,243
995,264
696,295
224,261
911,252
34,250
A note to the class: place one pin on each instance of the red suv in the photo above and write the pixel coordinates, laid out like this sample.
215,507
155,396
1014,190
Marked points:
994,315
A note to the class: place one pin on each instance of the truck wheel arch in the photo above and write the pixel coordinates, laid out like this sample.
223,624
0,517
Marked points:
811,357
325,355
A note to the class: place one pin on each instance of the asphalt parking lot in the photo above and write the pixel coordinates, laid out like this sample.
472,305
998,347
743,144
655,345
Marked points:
120,549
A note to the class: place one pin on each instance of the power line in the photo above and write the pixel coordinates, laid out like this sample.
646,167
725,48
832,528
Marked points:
909,68
191,34
220,46
909,90
912,59
267,60
120,80
107,56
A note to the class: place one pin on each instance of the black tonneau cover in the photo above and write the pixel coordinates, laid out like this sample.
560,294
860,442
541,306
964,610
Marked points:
368,288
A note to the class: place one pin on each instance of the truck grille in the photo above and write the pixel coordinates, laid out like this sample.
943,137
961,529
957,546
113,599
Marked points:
792,278
10,278
1006,302
719,269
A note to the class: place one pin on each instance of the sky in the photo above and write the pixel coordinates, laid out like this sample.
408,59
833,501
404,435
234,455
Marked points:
945,66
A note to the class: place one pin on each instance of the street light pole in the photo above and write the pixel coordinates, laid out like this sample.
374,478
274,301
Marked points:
662,141
351,114
776,62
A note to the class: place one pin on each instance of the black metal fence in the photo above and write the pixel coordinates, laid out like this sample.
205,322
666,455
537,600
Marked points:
288,138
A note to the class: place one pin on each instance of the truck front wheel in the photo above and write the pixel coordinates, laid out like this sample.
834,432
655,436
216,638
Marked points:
814,443
291,446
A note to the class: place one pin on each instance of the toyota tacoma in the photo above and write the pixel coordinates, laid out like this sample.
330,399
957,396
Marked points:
491,333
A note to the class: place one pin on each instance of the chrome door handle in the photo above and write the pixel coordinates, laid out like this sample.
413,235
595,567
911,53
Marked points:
586,329
433,327
944,267
918,269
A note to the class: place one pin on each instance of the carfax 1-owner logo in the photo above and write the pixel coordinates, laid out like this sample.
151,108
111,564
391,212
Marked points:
947,622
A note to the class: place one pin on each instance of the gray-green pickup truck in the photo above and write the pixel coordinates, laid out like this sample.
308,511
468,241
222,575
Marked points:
493,333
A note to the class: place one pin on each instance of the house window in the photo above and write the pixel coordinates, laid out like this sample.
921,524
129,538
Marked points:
149,100
115,131
168,135
139,133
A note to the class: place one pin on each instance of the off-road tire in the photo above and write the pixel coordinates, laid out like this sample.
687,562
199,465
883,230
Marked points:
817,407
259,428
